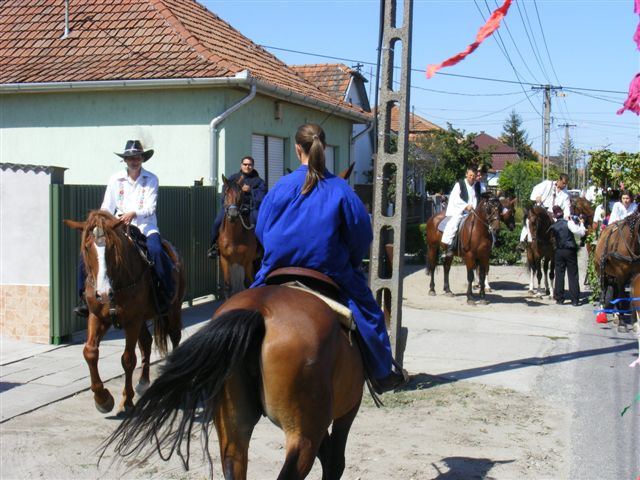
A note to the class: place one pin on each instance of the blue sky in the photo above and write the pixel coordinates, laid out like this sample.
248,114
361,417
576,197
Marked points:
584,46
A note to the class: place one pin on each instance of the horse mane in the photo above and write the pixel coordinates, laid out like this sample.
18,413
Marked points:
108,223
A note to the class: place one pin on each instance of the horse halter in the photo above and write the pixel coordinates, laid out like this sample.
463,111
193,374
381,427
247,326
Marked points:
233,211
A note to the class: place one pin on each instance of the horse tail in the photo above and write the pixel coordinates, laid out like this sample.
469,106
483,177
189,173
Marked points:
193,377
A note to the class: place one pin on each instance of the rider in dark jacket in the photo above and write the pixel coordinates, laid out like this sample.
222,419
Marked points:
253,185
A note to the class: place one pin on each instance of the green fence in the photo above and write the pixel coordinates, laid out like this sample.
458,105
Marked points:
184,215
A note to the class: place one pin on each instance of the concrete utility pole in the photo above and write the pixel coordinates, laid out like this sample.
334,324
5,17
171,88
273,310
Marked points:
546,123
389,198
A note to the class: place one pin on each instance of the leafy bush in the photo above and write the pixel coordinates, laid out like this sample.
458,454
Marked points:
504,251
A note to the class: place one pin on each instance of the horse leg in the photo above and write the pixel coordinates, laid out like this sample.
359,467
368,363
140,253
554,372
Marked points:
91,351
470,268
128,361
144,344
432,262
539,277
331,453
483,268
226,275
547,274
447,267
235,417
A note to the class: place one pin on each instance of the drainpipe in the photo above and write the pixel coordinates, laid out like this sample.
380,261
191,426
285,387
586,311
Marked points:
213,131
356,137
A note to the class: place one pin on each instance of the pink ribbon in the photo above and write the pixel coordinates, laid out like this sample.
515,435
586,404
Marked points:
487,29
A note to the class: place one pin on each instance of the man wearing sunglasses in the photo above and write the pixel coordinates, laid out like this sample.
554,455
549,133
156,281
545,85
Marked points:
253,185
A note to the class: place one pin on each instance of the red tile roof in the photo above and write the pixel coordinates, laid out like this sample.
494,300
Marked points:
333,78
501,154
417,124
133,39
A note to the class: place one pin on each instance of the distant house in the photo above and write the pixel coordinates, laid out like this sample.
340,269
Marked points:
348,85
168,72
501,154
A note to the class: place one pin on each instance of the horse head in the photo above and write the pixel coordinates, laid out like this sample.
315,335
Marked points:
539,223
103,250
508,212
233,198
492,210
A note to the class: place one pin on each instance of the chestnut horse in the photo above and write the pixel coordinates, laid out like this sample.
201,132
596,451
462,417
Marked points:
274,351
617,257
474,245
118,292
540,251
508,217
237,241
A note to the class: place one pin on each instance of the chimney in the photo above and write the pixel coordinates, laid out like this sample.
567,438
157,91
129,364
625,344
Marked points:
66,20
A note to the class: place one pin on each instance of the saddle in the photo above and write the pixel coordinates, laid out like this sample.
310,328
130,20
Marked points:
316,283
161,299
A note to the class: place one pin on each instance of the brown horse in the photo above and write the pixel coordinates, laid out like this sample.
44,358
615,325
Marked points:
617,257
540,251
474,245
508,217
118,292
237,241
274,351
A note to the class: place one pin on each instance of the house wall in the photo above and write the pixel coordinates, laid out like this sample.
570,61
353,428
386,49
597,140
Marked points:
24,254
362,148
82,130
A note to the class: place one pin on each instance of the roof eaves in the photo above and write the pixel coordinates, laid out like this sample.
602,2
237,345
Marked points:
301,99
240,78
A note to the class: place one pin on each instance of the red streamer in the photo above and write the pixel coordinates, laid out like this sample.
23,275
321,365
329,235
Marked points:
487,29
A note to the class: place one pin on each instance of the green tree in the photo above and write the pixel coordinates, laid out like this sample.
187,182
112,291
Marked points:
520,177
608,169
443,155
516,137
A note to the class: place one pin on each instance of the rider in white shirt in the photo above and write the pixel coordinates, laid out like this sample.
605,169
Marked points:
623,208
463,199
548,193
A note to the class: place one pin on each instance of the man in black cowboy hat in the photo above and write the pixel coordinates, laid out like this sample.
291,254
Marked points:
131,195
566,254
256,189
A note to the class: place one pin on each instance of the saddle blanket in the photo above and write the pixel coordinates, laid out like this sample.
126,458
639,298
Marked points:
443,223
344,314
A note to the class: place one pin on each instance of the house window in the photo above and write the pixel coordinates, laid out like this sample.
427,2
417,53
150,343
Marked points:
268,153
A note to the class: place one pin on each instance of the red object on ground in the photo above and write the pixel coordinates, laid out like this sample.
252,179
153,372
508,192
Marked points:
601,318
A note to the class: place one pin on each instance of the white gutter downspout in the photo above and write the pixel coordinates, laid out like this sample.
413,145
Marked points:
213,132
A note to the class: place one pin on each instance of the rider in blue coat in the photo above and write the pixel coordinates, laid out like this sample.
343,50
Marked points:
313,219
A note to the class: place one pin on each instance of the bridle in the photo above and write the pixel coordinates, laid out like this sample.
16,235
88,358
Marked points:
98,235
233,211
492,215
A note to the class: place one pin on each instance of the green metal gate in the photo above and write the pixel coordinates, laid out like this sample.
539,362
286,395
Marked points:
184,216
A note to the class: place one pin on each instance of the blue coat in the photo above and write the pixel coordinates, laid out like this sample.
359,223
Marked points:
327,230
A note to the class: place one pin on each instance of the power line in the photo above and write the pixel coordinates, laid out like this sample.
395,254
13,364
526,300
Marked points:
472,77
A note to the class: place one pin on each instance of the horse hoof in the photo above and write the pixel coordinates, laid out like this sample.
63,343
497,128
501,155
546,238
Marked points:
432,293
471,301
449,294
142,386
107,405
622,328
482,302
530,293
124,411
487,289
615,319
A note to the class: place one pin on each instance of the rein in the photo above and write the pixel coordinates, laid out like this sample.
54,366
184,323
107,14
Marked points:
490,229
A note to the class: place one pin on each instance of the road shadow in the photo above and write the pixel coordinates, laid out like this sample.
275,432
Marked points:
466,468
423,381
494,298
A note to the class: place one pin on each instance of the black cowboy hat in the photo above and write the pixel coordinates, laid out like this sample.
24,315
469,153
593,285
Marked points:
134,148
